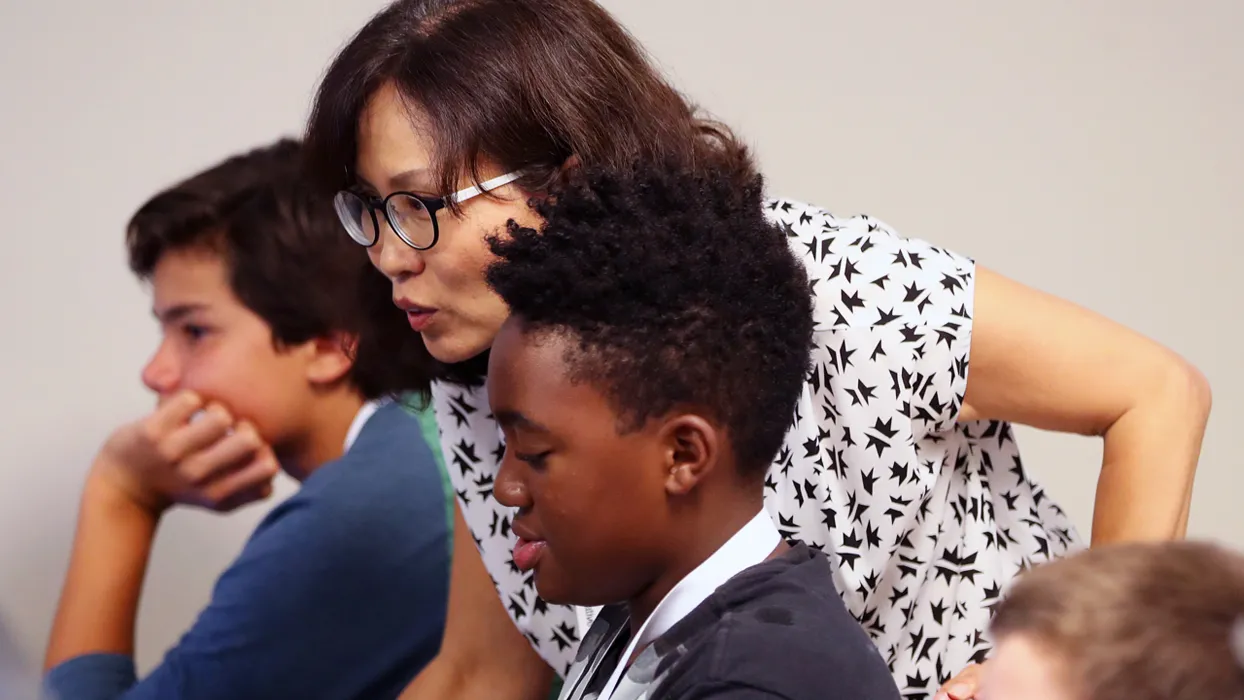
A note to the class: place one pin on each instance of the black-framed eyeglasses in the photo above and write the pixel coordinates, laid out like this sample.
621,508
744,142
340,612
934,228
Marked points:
412,217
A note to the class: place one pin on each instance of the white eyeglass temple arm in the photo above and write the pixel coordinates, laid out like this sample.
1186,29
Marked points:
486,185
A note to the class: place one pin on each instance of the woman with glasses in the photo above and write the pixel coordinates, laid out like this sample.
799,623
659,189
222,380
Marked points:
441,119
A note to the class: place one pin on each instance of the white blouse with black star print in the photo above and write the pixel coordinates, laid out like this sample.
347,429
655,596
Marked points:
925,519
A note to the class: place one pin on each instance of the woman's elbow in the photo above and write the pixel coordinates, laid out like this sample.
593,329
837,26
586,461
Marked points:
1194,386
1180,390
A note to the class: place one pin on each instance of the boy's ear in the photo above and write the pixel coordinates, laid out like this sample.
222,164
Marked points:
331,357
691,451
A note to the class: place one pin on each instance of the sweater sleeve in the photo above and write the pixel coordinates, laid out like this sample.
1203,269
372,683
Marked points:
334,593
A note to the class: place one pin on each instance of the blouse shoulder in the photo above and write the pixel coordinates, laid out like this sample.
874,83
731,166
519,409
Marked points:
865,274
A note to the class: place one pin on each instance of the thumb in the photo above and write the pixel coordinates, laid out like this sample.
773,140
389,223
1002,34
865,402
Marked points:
177,410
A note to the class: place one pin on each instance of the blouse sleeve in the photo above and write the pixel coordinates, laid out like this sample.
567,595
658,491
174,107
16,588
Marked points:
890,310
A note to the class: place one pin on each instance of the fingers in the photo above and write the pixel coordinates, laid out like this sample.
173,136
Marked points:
964,686
175,411
194,452
191,434
247,496
221,453
235,470
239,487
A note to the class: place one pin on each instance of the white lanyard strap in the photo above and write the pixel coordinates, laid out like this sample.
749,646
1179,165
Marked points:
749,546
585,617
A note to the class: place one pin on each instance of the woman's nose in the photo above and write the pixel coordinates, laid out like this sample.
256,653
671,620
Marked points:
393,257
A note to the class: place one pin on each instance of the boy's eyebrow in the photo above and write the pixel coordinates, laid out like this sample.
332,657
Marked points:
515,419
176,313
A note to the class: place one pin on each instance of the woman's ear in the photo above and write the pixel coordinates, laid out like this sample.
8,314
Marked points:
567,171
691,447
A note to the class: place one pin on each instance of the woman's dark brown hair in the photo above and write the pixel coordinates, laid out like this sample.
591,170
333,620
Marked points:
524,84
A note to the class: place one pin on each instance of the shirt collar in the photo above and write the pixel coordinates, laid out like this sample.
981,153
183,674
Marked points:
366,411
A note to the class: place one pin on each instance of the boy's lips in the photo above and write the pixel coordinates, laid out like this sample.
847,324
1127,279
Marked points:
527,553
528,548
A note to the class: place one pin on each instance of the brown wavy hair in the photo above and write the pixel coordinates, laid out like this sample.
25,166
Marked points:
523,84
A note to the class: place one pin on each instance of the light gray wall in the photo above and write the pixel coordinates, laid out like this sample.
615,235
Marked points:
1084,148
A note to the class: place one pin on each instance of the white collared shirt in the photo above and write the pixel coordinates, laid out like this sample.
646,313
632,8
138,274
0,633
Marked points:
366,411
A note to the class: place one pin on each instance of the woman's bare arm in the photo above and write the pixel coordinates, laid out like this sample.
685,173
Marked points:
1041,361
483,655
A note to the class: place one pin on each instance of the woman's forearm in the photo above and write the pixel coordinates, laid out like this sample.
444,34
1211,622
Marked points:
482,655
1149,461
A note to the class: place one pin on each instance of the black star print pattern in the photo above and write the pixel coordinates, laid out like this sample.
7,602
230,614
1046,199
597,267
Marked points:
926,520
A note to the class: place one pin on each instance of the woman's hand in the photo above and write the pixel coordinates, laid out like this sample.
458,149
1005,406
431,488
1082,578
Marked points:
963,686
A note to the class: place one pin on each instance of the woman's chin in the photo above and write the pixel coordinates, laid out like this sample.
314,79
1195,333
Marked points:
452,349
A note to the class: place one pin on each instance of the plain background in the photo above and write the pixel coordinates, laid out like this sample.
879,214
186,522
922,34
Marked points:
1091,149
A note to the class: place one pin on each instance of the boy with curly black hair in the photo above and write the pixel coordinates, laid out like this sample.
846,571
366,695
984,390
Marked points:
659,336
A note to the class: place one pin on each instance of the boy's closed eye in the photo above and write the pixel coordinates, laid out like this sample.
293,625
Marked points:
536,460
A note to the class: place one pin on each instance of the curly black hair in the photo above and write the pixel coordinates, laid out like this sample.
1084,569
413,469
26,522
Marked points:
679,292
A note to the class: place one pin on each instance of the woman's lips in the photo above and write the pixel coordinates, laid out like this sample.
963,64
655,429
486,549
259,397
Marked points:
418,316
419,320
